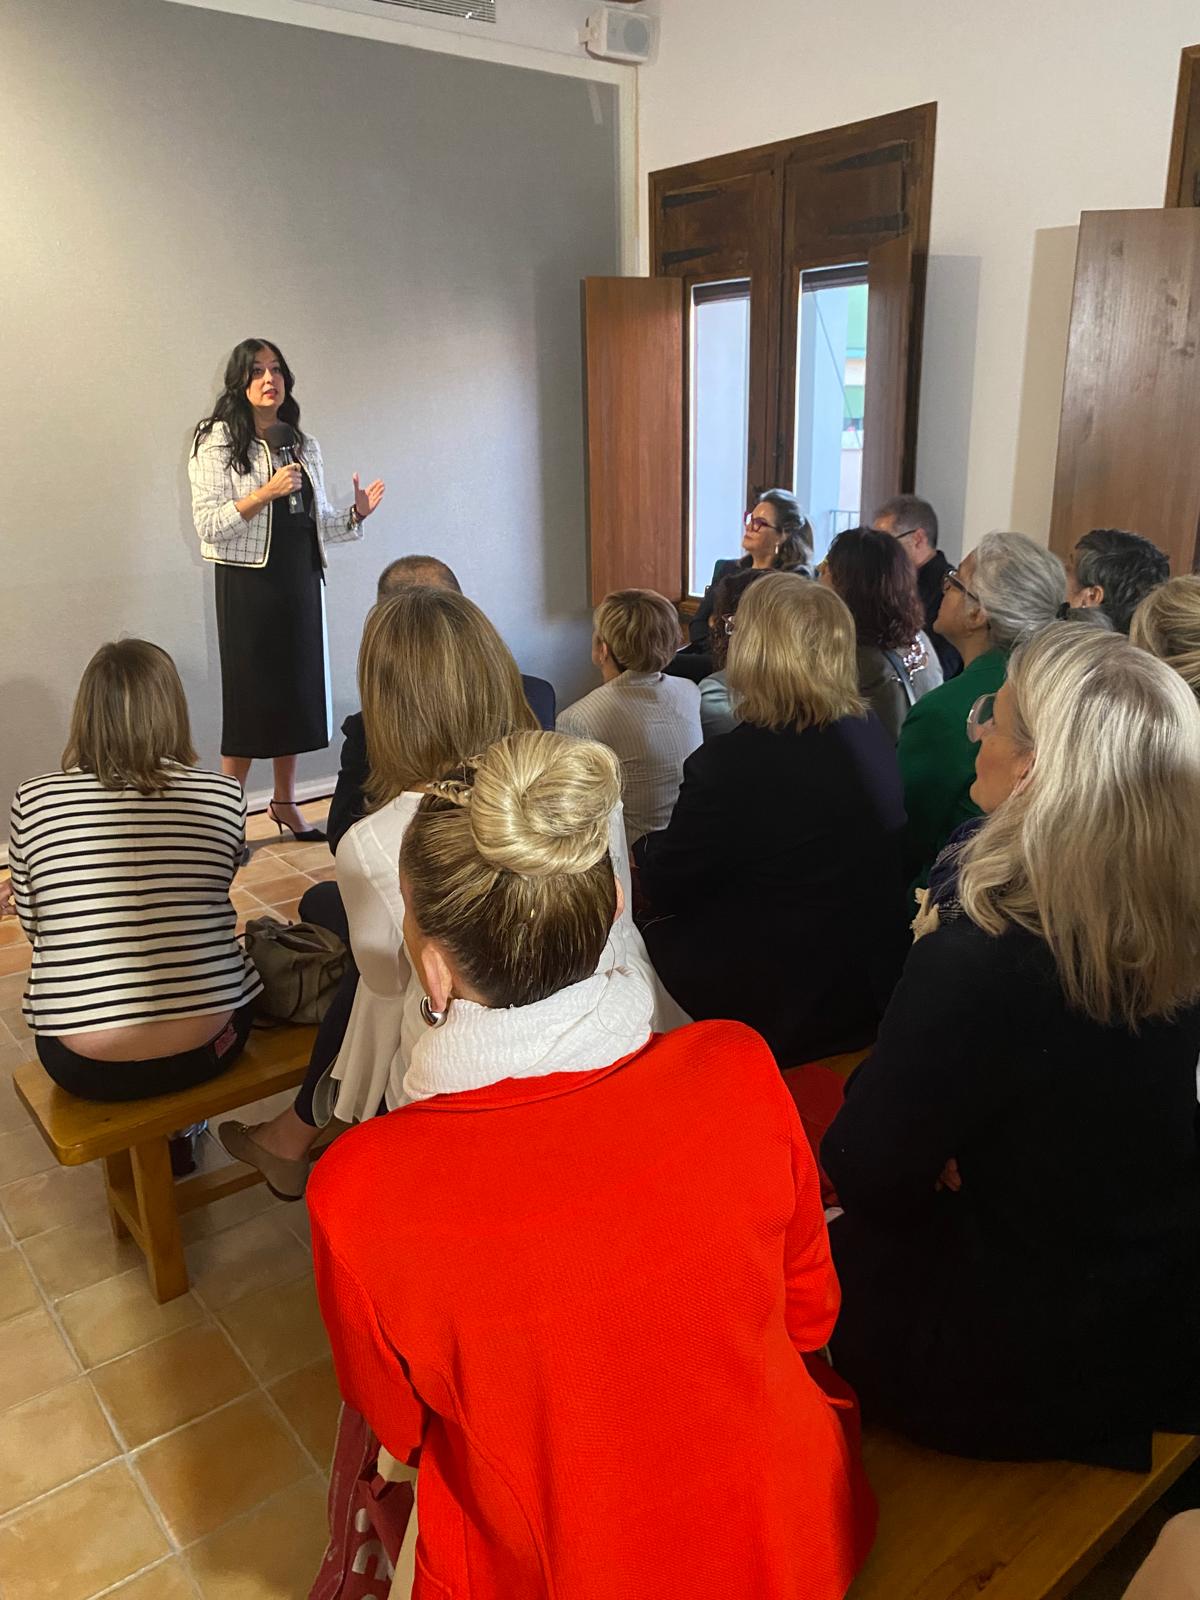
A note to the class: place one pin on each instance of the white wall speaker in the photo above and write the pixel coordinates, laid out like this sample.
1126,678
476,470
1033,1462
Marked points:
617,35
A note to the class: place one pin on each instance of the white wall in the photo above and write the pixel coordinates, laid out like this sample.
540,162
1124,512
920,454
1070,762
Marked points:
1044,111
410,226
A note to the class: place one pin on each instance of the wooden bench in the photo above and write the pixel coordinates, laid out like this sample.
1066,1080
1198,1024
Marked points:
130,1137
950,1529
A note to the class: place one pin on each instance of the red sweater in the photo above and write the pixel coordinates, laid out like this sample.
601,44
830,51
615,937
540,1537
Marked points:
583,1299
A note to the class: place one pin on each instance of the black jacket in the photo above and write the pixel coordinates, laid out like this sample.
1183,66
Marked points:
348,805
1049,1308
777,892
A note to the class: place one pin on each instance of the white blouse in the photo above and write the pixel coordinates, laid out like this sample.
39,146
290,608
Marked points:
385,1022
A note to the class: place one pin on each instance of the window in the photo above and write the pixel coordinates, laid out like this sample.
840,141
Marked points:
719,367
786,252
831,361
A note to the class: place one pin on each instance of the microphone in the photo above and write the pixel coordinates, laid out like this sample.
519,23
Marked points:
280,438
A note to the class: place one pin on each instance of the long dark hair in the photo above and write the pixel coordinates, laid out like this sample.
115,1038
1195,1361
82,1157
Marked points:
879,584
727,596
796,546
233,409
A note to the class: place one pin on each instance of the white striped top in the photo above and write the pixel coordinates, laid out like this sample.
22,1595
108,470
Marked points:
125,899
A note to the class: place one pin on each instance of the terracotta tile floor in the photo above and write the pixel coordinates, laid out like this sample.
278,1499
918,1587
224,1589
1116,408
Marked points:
150,1452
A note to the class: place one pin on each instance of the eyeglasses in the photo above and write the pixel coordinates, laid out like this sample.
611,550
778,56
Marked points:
981,719
755,524
953,581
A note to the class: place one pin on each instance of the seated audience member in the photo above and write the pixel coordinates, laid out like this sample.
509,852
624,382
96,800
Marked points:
438,686
121,870
776,892
1167,623
1115,570
650,720
776,537
1003,590
716,711
1172,1569
1017,1159
913,523
348,805
597,1265
896,661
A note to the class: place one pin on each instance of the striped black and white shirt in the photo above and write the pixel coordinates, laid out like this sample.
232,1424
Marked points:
125,899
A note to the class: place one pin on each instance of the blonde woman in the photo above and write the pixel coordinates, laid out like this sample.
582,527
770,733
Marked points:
1017,1160
650,720
776,891
121,868
438,686
1167,623
596,1266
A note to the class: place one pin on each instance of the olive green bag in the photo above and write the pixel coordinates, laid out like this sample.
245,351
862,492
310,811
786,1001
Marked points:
300,966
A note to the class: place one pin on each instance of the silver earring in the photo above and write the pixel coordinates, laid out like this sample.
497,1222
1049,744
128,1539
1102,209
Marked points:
433,1019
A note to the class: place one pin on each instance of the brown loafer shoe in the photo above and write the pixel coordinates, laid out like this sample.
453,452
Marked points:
285,1179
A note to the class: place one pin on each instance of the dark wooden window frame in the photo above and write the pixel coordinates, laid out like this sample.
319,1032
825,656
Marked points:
1183,167
757,238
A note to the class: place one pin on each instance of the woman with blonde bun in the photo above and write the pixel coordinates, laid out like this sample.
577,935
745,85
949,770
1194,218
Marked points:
1167,623
438,686
1017,1158
597,1263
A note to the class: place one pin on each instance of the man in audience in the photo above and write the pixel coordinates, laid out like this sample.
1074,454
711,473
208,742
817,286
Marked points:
914,523
1114,570
347,805
650,721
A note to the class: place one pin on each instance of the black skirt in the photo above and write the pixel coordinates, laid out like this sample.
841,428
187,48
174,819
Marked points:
271,632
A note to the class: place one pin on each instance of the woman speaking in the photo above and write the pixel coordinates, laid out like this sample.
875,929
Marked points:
260,509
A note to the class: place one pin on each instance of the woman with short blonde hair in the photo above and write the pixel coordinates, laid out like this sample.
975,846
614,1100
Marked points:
650,721
122,864
792,659
790,824
555,1151
438,687
1018,1158
1167,623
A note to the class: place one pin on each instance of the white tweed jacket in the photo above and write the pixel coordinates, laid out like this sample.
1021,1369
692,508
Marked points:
225,535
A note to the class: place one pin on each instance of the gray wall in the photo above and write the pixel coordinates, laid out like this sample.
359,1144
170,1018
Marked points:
410,227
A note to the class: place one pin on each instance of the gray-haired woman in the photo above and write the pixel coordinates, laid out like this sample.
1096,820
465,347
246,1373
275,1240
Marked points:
1003,591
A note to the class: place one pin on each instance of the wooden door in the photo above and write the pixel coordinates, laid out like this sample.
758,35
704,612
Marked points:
718,221
1127,455
633,422
886,401
1183,169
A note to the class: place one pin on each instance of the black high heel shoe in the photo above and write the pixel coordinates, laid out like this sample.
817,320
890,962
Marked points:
304,836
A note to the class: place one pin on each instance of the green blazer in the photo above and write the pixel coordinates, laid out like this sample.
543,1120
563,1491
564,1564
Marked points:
937,760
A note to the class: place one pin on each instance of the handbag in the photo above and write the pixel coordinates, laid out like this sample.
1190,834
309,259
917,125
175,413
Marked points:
368,1518
300,966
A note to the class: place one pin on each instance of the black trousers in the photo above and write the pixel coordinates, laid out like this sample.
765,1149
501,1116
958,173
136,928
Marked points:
139,1080
322,904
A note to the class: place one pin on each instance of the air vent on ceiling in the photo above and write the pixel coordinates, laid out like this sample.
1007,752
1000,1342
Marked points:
468,10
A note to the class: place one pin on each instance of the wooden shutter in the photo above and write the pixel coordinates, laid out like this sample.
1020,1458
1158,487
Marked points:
1127,454
633,420
885,405
1183,169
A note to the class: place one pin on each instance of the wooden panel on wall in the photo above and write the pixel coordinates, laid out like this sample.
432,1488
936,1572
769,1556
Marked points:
633,417
1127,455
1183,169
889,319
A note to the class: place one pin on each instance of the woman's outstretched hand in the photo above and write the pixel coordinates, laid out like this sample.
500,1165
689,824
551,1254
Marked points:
365,500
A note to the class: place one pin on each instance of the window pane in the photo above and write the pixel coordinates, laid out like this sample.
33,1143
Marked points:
720,418
830,378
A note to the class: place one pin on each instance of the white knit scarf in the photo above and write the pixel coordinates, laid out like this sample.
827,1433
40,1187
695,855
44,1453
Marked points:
580,1029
